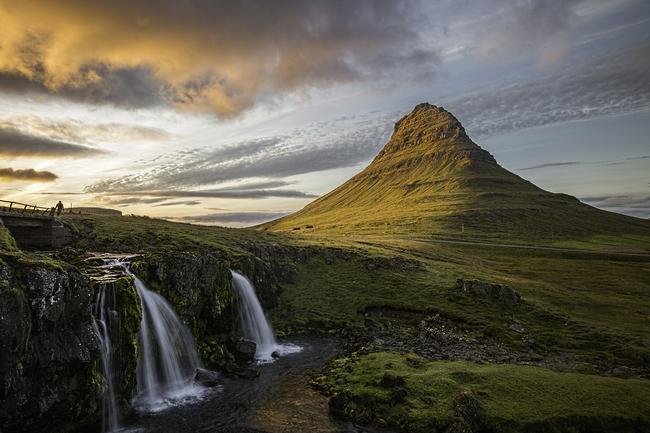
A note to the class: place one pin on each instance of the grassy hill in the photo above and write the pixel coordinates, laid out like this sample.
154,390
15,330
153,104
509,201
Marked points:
431,179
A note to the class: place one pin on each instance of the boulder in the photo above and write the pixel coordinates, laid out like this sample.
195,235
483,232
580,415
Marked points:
206,377
397,395
244,350
248,373
390,380
504,295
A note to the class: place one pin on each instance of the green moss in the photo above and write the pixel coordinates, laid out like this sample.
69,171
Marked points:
510,398
130,313
7,242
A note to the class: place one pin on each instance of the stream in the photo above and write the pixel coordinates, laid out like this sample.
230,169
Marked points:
279,400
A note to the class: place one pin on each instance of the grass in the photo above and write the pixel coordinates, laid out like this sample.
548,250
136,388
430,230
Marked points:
510,398
588,311
136,234
7,242
592,307
427,184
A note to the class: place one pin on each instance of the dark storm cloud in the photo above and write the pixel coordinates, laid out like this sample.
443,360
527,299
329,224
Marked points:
551,164
122,87
10,174
222,56
14,143
235,217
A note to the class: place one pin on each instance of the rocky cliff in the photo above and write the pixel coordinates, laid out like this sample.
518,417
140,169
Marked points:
49,360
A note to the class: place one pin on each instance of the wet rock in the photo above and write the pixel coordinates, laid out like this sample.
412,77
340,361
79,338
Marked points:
275,354
244,350
48,349
250,372
206,377
504,295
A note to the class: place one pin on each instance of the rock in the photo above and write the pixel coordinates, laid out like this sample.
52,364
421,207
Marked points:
244,350
48,348
337,404
468,408
248,373
391,381
206,377
504,295
275,354
398,395
622,371
517,327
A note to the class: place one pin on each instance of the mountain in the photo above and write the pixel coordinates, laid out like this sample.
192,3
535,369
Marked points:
432,179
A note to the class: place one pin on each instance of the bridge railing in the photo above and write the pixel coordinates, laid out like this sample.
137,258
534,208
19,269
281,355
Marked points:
23,208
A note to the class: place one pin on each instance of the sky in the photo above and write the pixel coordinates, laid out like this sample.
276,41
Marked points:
239,112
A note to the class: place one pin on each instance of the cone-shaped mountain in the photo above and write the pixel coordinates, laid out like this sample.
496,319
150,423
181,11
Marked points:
432,179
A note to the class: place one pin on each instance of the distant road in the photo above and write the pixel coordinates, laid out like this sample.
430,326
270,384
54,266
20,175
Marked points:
517,246
532,247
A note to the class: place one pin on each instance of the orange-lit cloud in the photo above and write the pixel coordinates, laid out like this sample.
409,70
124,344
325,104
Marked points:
219,56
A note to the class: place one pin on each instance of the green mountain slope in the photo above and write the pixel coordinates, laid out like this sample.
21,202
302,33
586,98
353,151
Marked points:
432,179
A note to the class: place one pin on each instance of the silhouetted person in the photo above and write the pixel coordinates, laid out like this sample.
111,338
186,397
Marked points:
59,208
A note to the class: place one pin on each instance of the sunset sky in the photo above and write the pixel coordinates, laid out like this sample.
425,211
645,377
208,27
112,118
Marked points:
238,112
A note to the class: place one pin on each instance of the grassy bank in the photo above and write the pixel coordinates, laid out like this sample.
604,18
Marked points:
407,392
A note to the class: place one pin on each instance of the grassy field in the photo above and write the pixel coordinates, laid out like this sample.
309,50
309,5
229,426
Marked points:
587,313
432,396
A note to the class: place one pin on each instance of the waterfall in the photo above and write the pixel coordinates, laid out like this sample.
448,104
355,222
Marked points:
168,358
107,323
253,321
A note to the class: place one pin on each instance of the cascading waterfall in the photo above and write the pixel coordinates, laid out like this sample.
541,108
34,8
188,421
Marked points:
107,324
253,321
168,357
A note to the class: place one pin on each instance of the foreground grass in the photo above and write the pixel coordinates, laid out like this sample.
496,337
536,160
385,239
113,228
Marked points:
495,398
7,242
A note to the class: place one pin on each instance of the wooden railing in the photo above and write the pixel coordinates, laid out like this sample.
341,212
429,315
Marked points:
25,209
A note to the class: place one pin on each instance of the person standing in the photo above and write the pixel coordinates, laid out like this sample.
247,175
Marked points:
59,208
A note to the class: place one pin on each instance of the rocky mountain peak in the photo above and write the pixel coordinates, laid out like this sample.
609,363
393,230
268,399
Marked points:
428,129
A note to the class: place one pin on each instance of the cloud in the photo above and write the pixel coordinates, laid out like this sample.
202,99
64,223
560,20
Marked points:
149,197
240,218
321,146
218,56
9,174
15,143
179,203
542,28
72,130
551,164
614,83
630,204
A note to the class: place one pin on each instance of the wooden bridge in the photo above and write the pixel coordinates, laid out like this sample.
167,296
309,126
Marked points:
32,226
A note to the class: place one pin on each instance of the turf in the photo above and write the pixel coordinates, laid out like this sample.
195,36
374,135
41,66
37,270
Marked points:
510,398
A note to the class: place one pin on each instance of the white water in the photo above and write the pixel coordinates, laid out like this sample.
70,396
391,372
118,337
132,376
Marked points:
168,357
106,319
254,324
